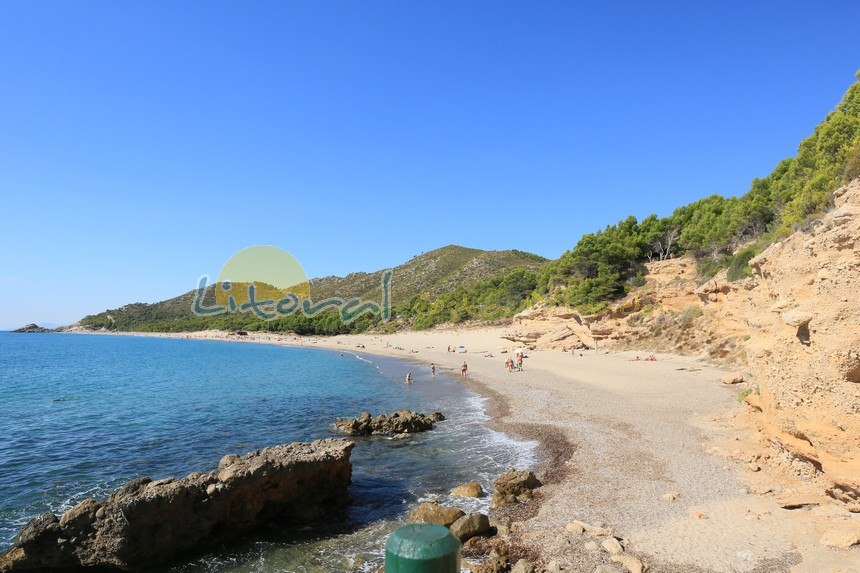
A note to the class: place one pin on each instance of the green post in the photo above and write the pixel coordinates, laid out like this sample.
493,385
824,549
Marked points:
421,548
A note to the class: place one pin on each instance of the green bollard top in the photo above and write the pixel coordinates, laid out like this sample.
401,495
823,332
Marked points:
422,547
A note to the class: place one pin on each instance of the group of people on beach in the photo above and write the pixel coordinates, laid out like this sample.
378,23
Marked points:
511,364
651,358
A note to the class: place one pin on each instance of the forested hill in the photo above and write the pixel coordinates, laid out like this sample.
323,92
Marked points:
455,284
429,275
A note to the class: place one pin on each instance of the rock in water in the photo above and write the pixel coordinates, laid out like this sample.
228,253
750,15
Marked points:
471,489
435,514
399,422
147,523
513,486
33,328
470,525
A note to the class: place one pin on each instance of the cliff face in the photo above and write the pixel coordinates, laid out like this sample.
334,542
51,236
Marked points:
147,523
794,325
804,312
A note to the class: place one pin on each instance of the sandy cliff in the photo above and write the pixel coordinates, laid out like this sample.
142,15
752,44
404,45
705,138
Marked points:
794,327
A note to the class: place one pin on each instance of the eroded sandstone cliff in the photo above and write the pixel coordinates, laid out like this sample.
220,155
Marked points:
794,326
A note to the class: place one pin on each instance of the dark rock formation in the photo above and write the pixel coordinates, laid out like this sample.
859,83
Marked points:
513,486
400,422
147,523
33,328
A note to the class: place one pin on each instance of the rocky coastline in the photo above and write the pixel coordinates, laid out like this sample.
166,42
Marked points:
148,523
399,423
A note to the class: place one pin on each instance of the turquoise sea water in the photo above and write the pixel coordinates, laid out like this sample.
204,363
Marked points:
81,415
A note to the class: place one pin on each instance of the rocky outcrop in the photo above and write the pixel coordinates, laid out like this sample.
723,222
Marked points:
148,523
548,327
514,486
33,328
804,350
399,422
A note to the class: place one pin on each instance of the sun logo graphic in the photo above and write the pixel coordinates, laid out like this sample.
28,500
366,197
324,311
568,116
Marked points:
270,283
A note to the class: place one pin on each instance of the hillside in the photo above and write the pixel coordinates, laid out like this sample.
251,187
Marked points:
430,274
435,272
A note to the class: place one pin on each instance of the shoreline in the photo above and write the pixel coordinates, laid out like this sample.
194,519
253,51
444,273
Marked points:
656,452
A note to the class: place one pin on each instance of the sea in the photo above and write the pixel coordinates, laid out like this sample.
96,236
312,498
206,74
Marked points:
82,414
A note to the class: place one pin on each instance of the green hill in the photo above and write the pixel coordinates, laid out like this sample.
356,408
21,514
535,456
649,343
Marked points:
430,275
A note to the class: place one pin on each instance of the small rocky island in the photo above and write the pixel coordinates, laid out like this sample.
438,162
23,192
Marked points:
32,327
401,422
147,523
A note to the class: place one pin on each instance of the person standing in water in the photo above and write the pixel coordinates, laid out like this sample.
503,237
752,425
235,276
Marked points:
409,377
464,370
433,369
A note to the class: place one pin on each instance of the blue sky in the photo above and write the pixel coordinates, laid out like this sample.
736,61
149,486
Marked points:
144,143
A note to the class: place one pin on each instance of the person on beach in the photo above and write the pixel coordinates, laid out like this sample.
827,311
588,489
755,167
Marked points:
464,370
509,364
520,362
432,369
409,377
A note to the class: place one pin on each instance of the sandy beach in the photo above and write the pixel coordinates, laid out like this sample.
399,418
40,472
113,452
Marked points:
659,452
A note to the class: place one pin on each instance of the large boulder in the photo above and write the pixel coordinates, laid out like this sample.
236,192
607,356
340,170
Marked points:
470,525
149,523
435,514
399,422
514,486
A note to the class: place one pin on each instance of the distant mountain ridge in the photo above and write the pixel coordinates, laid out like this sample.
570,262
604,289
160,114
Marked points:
432,273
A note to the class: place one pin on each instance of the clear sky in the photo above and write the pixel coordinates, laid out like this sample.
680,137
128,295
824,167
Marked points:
143,143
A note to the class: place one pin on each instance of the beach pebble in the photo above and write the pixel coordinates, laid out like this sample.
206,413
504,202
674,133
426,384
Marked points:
574,528
632,564
698,515
595,530
523,566
671,496
612,546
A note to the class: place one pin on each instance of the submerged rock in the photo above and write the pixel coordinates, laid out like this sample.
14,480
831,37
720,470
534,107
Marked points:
399,422
147,523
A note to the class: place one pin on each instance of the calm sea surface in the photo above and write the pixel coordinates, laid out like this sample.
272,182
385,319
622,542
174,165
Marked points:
80,415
